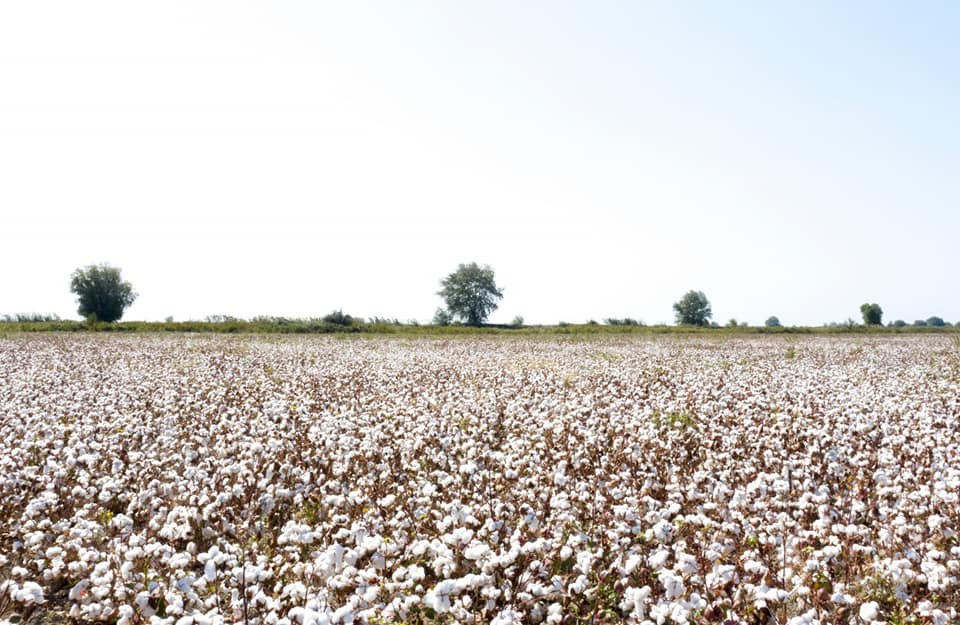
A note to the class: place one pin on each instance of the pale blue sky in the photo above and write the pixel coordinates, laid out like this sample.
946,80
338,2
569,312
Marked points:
290,158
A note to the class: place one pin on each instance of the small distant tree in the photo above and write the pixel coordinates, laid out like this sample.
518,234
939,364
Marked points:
626,321
442,317
920,323
339,318
899,323
693,309
517,322
732,323
872,314
101,293
772,322
936,322
471,293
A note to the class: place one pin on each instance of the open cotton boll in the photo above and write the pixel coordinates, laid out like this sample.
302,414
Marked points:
210,570
869,611
30,593
507,617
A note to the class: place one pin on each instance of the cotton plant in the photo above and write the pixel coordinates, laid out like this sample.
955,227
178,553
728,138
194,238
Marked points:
312,481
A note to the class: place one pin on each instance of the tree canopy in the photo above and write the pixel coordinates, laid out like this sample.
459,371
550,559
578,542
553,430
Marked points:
471,293
693,309
101,293
872,314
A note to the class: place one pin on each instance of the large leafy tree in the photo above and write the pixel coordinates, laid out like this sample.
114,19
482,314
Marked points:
693,309
101,293
471,293
872,314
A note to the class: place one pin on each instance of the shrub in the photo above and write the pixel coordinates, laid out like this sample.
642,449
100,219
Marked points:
442,317
338,318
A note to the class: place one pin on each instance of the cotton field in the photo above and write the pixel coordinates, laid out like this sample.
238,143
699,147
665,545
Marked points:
312,481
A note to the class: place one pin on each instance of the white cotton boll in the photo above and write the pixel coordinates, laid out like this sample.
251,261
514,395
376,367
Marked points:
673,585
808,618
30,593
476,551
417,572
661,611
440,603
766,593
554,614
831,551
679,613
869,611
658,559
635,601
179,560
662,531
79,589
578,585
506,617
210,570
841,598
124,614
686,564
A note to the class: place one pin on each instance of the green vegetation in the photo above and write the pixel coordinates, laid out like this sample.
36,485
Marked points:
471,293
626,321
101,293
872,314
693,309
28,318
283,325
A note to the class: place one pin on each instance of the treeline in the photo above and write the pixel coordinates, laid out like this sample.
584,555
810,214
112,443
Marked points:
226,324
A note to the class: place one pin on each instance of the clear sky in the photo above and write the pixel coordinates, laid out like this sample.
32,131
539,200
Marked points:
291,158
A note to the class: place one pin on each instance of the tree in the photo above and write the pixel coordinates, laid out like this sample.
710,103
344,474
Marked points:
101,294
772,322
872,314
471,293
936,322
693,309
442,317
339,318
